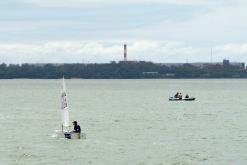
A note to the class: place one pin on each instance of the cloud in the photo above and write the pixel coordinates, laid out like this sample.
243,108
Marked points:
233,48
219,25
232,51
217,22
106,51
156,30
83,3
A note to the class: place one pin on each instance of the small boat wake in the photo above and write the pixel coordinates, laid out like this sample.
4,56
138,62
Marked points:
57,134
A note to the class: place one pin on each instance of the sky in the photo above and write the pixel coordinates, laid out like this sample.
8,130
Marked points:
72,31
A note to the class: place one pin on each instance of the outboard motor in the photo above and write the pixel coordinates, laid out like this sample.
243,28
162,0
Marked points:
67,135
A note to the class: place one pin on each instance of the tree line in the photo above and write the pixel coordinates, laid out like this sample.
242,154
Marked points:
121,70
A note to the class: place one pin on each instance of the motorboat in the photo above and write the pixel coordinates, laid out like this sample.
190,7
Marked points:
181,99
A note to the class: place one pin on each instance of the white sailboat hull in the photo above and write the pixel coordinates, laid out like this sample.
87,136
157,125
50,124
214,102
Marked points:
70,135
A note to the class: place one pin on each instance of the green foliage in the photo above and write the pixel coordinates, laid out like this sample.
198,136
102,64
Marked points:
121,70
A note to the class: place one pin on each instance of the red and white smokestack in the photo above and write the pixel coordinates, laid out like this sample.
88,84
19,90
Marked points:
125,52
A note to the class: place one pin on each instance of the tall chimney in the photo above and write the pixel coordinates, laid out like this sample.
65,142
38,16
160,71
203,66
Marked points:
125,52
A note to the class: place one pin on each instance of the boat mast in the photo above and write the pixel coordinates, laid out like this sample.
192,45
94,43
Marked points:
211,60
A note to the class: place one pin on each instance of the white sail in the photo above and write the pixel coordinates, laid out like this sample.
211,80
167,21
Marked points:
64,109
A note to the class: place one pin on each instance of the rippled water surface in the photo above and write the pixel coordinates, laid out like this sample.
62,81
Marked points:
126,122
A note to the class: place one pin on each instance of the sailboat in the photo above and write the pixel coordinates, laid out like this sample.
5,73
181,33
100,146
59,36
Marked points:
65,124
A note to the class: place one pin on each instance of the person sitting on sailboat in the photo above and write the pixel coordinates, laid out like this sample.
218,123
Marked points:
77,128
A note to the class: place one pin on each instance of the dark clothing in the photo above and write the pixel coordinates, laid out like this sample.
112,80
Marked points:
180,96
77,129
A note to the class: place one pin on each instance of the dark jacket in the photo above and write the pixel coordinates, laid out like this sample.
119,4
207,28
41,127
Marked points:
77,129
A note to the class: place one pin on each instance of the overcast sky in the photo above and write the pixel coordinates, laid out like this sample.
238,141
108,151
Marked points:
40,31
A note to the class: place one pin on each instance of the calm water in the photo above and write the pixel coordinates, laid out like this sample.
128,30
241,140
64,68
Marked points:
127,122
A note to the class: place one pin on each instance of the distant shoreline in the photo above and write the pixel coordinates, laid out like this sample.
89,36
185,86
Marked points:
129,79
125,70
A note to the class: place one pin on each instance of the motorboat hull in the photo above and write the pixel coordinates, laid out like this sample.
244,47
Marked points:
182,99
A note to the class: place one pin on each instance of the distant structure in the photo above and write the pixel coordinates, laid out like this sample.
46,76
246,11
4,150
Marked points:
125,60
226,62
202,65
125,52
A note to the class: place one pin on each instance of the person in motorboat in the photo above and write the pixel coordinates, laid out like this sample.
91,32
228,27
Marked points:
176,95
77,128
180,96
187,96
